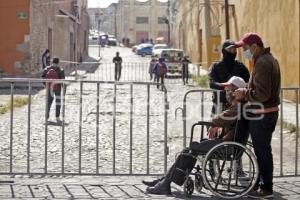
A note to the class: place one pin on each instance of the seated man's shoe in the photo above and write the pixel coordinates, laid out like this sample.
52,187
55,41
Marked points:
160,188
261,194
151,183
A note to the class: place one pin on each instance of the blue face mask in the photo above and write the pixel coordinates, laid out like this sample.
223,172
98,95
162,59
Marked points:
247,54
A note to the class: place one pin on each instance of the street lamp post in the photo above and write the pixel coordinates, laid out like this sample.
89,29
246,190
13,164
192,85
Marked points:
169,32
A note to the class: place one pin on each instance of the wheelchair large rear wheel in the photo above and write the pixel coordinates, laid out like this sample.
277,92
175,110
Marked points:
235,170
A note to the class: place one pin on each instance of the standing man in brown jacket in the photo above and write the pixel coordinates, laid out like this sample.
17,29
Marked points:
263,91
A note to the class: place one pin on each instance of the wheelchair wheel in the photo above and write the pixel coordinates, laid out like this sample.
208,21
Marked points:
188,187
198,182
230,159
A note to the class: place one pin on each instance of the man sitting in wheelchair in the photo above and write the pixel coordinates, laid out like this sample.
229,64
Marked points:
187,158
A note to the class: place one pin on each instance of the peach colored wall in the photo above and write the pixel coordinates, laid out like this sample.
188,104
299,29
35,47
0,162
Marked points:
12,32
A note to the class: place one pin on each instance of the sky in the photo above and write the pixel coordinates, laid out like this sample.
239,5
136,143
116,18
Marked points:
100,3
105,3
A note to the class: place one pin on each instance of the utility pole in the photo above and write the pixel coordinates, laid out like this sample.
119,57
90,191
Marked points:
207,19
76,38
227,19
207,31
199,39
168,22
99,38
116,32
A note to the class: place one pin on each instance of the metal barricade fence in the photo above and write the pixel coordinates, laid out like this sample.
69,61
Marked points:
131,71
94,134
285,145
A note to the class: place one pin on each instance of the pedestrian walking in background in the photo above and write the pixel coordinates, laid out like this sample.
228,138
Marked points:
222,71
263,89
54,89
185,69
46,58
151,68
160,70
118,66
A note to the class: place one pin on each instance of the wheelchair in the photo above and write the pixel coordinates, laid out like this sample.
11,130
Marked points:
228,170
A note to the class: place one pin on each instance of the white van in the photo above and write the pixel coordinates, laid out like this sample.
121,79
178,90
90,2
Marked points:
172,59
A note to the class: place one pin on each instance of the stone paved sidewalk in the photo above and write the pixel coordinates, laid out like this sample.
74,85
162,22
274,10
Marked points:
113,187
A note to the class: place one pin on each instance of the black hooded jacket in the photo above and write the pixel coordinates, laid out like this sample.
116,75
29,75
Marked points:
222,71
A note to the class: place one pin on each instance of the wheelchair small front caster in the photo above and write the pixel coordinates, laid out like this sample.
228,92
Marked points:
188,187
198,182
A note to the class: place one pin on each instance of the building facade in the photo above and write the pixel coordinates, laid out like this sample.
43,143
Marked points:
140,21
200,30
60,26
103,19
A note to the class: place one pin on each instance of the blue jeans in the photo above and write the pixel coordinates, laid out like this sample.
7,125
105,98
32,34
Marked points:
57,94
261,132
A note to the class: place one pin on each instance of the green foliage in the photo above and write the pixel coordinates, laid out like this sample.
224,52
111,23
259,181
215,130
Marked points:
201,81
18,102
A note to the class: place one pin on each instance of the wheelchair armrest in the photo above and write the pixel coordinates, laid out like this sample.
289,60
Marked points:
202,124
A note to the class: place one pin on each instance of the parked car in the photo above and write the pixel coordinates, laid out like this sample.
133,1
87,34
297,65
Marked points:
112,42
157,48
144,50
172,59
93,39
103,39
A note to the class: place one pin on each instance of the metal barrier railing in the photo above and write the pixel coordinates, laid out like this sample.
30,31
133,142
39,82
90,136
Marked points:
184,108
67,138
131,71
294,119
286,161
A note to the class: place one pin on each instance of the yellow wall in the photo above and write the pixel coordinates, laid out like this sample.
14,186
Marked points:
276,21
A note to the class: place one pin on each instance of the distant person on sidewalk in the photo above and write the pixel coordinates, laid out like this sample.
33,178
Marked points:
46,58
185,69
222,71
118,66
263,96
54,89
160,70
151,68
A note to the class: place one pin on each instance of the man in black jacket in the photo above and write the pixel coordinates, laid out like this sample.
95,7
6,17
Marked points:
222,71
185,69
54,89
118,66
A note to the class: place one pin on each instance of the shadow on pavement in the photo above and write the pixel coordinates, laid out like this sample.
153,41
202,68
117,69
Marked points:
56,123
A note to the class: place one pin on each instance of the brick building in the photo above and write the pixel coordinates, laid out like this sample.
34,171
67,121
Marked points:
31,26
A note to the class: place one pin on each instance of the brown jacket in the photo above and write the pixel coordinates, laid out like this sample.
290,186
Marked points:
265,80
228,119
